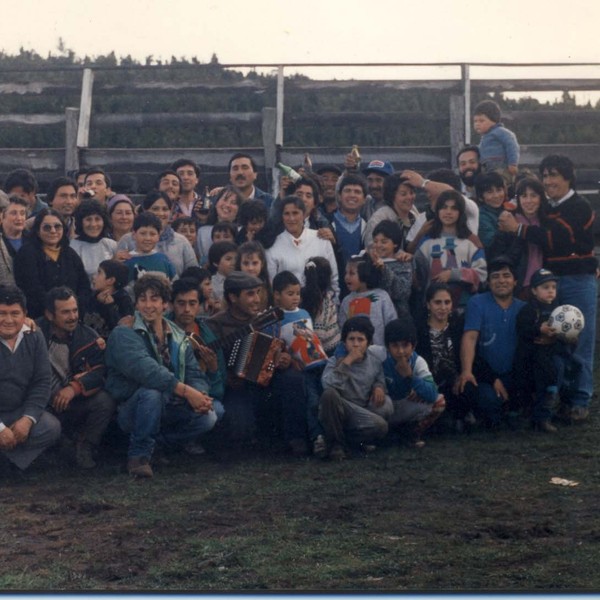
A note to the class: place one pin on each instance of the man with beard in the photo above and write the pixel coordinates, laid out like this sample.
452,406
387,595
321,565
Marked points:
328,176
77,359
242,175
489,342
376,173
467,161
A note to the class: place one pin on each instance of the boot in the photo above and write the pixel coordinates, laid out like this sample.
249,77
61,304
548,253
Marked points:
139,466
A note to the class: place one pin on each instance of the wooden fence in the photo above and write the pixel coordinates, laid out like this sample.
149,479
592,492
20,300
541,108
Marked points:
133,169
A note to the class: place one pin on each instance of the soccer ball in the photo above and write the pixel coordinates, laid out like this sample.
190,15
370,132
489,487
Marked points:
567,321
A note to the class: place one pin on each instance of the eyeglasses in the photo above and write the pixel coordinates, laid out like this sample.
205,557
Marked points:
47,227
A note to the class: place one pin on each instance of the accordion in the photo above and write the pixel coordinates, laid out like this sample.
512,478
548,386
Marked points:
253,357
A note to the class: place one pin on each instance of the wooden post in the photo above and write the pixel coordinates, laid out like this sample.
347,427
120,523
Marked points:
466,78
457,126
269,126
278,132
71,153
85,109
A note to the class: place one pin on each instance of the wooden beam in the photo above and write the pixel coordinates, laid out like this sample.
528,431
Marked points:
85,109
71,153
168,118
31,119
343,118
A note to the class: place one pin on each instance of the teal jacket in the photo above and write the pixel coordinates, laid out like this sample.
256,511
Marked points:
133,361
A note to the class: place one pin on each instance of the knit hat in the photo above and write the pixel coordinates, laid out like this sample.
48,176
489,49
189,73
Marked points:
238,281
490,109
541,276
116,199
380,167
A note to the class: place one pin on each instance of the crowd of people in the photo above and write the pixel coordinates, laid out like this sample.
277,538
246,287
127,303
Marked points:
328,317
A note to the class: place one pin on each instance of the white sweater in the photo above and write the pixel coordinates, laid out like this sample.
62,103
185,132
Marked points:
291,254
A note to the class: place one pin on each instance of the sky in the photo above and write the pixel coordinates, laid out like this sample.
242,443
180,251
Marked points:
320,31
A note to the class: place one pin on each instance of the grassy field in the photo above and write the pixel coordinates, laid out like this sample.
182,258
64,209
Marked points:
469,512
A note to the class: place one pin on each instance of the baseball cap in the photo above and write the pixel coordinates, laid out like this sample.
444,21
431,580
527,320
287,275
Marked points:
380,167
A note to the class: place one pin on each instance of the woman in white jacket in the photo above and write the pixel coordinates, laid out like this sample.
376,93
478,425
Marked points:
296,244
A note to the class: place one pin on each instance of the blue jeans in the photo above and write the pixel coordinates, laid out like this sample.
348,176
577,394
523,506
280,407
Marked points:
490,406
581,291
147,416
279,408
314,389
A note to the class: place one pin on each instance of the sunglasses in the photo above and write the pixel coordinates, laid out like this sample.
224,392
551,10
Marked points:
48,227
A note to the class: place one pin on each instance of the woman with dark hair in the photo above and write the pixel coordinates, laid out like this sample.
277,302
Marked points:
449,253
177,249
295,243
121,212
399,197
48,261
527,257
438,340
224,209
92,243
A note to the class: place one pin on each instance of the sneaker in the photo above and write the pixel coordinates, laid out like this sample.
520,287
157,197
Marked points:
139,466
579,413
195,449
319,447
83,455
337,452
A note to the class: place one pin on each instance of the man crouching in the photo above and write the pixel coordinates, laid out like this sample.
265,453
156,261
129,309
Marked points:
153,373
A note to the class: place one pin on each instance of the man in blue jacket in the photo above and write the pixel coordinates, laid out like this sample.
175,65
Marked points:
153,373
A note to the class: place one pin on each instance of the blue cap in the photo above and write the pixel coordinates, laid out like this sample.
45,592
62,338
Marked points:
380,167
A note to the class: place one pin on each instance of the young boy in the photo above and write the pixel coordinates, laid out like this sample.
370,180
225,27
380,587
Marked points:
492,197
219,232
145,258
536,365
252,218
397,275
296,330
499,148
110,302
409,381
355,406
188,228
221,262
